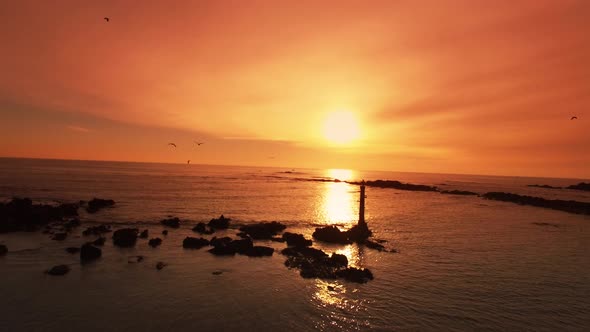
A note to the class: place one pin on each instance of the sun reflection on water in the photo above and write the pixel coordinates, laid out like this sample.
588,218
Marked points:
339,201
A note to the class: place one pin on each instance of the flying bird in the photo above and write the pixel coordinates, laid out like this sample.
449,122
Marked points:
174,145
107,19
199,143
574,118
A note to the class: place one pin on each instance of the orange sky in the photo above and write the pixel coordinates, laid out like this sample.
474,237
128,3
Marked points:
484,87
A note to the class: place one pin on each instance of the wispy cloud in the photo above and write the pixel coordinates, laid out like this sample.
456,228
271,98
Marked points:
78,129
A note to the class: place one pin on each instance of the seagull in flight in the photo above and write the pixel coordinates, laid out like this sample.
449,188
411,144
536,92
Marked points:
174,145
199,143
107,19
574,118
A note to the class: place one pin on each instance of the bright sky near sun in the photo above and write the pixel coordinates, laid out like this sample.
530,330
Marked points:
485,87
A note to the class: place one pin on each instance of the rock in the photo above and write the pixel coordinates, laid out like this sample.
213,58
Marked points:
217,273
160,265
580,186
134,259
203,228
545,224
338,260
73,250
155,242
68,209
194,243
97,230
3,250
396,185
459,192
223,246
171,222
144,234
297,240
543,186
219,223
331,234
306,252
125,237
89,253
59,236
358,233
259,251
555,204
165,232
355,275
20,214
72,223
263,230
97,204
100,241
277,239
374,245
220,241
58,270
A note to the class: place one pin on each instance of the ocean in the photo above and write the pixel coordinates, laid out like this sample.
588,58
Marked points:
463,263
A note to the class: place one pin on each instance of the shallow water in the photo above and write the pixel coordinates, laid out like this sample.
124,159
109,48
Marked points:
464,263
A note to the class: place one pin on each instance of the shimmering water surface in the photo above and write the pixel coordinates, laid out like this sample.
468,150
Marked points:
463,263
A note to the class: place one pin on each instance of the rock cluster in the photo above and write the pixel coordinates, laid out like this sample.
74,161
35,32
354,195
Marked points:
555,204
125,237
97,204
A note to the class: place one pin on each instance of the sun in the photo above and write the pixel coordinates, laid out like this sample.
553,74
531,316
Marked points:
341,127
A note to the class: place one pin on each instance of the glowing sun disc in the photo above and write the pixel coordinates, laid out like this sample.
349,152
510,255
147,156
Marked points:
341,127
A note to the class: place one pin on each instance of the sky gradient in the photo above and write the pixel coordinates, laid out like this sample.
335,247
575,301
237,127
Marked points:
479,87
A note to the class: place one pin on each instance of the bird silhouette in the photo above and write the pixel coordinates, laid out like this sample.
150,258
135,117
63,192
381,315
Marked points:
199,143
174,145
574,118
107,19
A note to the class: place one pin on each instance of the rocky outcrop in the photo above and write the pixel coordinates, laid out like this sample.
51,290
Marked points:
144,234
459,192
259,251
194,243
171,222
296,240
97,230
155,242
263,230
89,253
225,247
314,263
58,270
396,185
219,223
555,204
331,234
125,237
20,214
203,228
96,204
355,275
545,186
580,186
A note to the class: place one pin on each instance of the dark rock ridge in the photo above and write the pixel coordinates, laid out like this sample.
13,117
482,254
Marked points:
3,250
459,192
97,230
580,186
331,234
546,186
171,222
259,251
397,185
96,204
219,223
194,243
297,240
263,231
125,237
155,242
144,234
555,204
203,228
227,247
89,253
58,270
20,214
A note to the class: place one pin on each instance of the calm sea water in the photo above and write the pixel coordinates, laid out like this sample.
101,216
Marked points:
464,263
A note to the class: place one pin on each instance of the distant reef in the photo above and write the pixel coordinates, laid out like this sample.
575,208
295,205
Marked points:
397,185
580,186
546,186
555,204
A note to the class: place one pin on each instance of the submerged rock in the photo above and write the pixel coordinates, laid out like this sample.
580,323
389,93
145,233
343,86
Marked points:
100,241
374,245
263,230
355,275
297,240
97,230
194,243
134,259
259,251
545,224
72,250
125,237
171,222
555,204
3,250
97,204
89,253
165,232
144,234
203,228
160,265
155,242
220,223
459,192
58,270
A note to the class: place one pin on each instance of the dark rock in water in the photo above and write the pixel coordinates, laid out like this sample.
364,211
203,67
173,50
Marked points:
220,223
125,237
88,253
100,241
297,240
160,265
545,224
165,232
459,192
217,273
220,241
203,228
243,246
555,204
97,204
73,250
396,185
306,252
144,234
359,233
331,234
580,186
68,209
58,270
155,242
97,230
223,247
355,275
338,260
59,236
263,230
259,251
3,250
20,214
374,245
135,259
543,186
171,222
277,239
194,243
71,224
